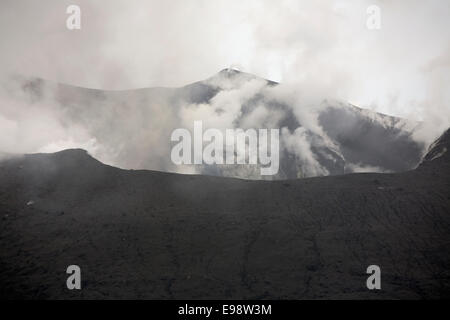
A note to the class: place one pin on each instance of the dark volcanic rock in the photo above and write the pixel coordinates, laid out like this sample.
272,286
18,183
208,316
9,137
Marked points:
145,234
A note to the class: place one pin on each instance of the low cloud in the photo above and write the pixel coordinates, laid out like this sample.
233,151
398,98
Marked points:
320,51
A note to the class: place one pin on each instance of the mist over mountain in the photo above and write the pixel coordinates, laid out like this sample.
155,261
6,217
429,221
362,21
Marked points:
227,150
131,129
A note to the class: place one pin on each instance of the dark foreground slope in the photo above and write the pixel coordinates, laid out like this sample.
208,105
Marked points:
143,234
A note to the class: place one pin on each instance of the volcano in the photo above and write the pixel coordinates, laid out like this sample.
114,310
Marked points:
131,129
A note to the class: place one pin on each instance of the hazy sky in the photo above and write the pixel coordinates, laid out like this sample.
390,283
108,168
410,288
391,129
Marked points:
401,69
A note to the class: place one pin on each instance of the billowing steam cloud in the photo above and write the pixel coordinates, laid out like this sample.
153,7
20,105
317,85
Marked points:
132,129
320,51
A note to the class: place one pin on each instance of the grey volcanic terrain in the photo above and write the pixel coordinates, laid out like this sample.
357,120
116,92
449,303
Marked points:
147,234
132,129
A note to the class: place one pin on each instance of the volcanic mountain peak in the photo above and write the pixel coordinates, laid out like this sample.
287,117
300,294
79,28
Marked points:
232,78
230,71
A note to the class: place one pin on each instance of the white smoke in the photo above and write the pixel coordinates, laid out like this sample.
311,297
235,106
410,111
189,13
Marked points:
318,50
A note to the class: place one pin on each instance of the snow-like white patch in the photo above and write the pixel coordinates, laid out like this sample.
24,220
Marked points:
359,167
440,154
388,122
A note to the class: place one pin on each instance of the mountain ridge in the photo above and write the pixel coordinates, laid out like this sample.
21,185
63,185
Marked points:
132,129
156,235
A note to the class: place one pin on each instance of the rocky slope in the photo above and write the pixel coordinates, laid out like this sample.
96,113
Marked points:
146,234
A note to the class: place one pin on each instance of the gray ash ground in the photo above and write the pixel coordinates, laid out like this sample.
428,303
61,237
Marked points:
153,235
